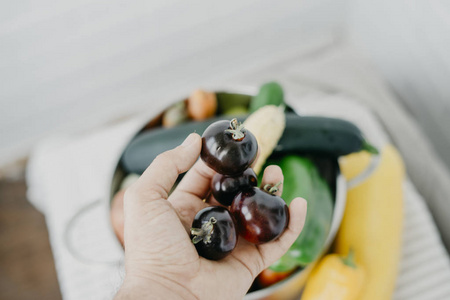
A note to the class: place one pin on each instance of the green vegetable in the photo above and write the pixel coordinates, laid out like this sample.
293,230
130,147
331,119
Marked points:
322,135
175,115
228,101
302,179
270,93
236,111
303,135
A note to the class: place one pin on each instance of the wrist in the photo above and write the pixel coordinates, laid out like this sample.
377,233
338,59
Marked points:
157,288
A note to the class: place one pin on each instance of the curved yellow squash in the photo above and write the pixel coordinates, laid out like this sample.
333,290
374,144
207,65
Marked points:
372,222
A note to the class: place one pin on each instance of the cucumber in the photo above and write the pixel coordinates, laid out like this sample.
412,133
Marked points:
270,93
302,179
303,135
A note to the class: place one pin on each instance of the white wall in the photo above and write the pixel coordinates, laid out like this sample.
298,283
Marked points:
409,43
68,65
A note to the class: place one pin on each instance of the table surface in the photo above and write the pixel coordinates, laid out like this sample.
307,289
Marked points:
27,269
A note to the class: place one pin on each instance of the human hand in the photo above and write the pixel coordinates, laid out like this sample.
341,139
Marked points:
160,260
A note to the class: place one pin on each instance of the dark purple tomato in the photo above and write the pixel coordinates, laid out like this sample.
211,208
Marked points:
224,188
228,148
213,232
260,216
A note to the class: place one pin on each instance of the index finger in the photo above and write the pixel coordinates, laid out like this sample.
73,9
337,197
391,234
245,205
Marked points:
273,175
197,180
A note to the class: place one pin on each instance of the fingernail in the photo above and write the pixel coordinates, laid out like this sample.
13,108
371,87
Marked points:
189,140
304,203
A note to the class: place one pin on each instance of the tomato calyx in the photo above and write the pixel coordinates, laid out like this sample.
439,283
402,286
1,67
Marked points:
236,129
272,188
204,233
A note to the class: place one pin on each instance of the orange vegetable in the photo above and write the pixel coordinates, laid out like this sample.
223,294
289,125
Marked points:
201,105
117,215
269,277
175,115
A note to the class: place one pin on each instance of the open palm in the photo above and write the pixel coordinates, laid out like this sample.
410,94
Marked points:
159,254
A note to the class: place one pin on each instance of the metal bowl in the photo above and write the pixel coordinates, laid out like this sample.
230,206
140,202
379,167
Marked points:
291,287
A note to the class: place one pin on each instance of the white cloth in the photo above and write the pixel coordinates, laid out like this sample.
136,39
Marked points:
410,48
66,174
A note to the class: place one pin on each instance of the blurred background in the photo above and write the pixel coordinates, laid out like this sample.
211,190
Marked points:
67,67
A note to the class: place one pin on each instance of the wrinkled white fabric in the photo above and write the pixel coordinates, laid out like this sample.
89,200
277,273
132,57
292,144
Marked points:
68,172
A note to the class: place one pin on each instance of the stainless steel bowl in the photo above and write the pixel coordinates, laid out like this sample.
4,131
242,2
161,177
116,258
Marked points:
291,287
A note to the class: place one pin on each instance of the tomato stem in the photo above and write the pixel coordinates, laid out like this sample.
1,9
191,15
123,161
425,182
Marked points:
204,233
350,259
369,148
272,189
236,130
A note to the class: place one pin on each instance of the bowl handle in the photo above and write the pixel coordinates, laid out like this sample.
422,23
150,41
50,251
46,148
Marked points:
69,240
366,173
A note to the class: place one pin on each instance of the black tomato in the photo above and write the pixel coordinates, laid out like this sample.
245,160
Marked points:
260,216
228,148
224,188
213,232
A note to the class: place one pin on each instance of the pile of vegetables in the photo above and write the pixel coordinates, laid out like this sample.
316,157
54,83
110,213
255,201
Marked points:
367,247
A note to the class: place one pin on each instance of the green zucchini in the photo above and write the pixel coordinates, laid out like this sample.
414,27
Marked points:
321,135
303,135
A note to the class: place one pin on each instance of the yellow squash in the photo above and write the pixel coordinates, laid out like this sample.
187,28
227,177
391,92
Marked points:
334,278
372,222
